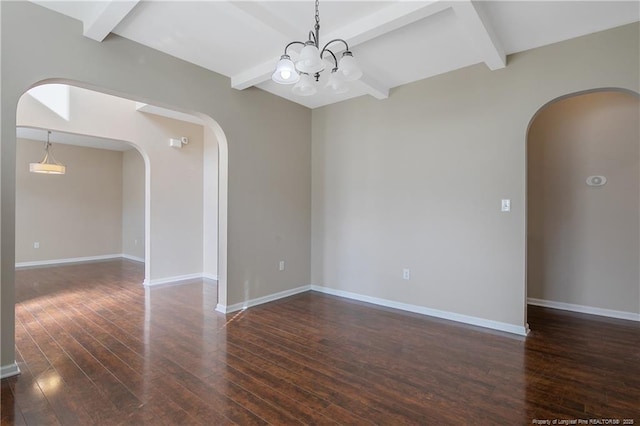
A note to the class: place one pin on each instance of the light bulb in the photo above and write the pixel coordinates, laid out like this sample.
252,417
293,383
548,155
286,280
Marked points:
285,72
348,67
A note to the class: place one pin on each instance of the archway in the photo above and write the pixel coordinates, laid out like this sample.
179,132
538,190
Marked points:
583,220
222,173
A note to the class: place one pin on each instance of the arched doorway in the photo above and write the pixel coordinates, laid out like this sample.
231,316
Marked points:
216,132
583,220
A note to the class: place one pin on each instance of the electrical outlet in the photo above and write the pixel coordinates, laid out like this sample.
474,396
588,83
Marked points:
36,245
406,274
281,266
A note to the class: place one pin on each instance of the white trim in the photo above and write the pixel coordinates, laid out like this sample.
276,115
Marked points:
631,316
260,300
69,260
134,258
178,279
481,322
210,277
9,370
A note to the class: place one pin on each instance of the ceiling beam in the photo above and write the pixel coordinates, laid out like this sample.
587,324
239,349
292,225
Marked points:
381,22
106,20
475,24
374,87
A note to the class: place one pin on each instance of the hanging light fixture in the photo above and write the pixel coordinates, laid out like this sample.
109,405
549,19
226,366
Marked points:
48,165
312,62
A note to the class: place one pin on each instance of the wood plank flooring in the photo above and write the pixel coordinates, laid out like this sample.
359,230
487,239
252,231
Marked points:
95,349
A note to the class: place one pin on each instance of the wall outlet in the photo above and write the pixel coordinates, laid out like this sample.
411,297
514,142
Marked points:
406,274
36,245
281,265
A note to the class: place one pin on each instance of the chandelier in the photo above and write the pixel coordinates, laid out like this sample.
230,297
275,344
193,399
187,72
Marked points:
48,164
312,61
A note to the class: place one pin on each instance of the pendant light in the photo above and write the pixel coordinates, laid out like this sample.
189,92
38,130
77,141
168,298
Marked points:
48,164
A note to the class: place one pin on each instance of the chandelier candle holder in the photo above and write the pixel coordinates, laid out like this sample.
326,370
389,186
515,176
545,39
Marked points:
312,62
48,165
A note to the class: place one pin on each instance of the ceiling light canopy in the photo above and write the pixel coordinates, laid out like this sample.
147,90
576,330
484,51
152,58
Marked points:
312,61
48,164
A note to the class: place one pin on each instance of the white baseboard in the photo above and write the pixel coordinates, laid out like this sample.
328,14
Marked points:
177,279
134,258
631,316
9,370
210,277
69,260
481,322
260,300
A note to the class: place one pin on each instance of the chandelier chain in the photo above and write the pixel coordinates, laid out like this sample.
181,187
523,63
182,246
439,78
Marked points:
317,11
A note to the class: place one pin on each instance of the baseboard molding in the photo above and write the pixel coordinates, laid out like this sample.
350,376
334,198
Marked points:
69,260
260,300
584,309
177,279
210,277
9,370
481,322
134,258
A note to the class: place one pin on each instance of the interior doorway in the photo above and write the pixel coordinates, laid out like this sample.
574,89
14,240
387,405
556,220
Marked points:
583,198
96,211
180,153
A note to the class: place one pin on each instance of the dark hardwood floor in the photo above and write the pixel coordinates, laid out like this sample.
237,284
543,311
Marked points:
95,348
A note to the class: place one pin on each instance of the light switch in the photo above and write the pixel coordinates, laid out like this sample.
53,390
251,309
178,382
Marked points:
506,205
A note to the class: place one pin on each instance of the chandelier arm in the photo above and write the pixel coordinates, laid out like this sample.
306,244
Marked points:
334,56
314,37
292,43
334,41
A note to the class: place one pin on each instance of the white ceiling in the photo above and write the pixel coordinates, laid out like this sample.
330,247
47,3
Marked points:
395,42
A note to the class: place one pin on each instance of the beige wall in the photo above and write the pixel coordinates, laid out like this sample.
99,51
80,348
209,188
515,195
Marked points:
583,241
77,214
176,175
133,197
267,143
415,181
210,205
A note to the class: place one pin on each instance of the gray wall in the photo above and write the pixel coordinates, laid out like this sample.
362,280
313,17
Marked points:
133,204
415,181
73,215
268,145
583,241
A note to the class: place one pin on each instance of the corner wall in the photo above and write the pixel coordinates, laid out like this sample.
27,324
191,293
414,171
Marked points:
133,210
416,181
